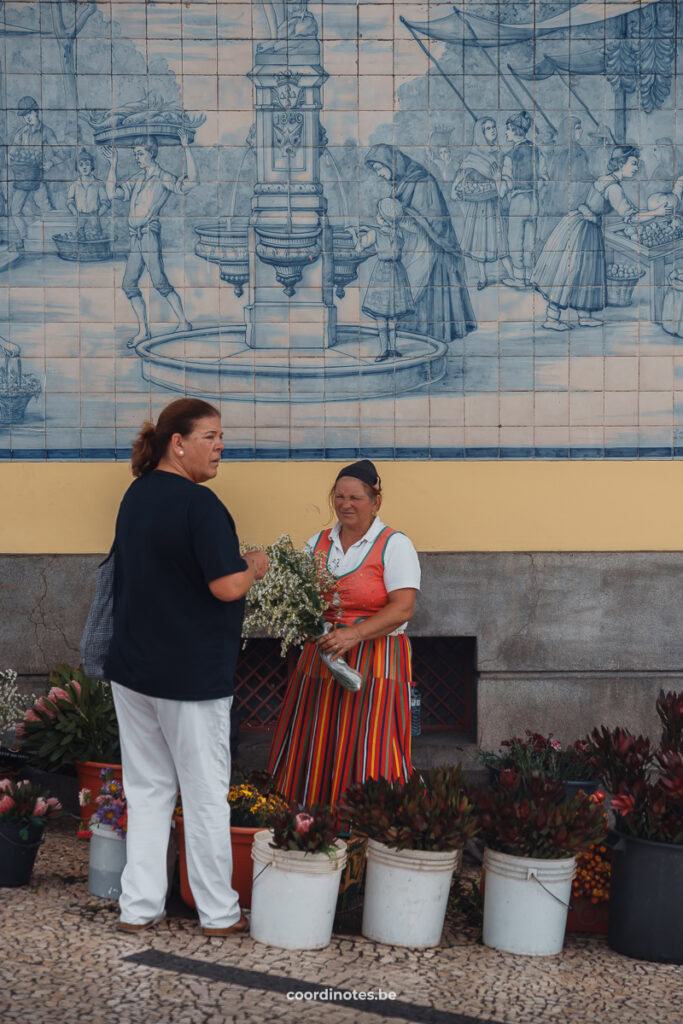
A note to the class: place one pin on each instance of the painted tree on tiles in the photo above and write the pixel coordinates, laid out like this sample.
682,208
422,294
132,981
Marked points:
68,20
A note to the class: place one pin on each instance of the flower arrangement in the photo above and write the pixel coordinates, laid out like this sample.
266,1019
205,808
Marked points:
309,830
593,873
415,815
27,804
249,808
290,601
537,821
646,786
110,803
76,721
252,801
670,710
12,703
538,755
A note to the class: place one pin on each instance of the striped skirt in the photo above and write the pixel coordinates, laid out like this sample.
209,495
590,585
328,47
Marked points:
327,738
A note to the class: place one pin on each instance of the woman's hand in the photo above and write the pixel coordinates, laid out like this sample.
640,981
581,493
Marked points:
258,561
338,641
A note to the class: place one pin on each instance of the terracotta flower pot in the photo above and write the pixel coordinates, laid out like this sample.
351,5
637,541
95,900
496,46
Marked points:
242,867
89,778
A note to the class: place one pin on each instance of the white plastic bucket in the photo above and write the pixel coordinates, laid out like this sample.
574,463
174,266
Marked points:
107,861
526,902
406,894
294,894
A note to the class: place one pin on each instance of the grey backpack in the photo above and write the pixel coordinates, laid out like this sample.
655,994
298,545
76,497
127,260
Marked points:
99,627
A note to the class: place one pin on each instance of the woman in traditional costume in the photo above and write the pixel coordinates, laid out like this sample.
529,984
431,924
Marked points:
432,255
571,270
328,737
484,237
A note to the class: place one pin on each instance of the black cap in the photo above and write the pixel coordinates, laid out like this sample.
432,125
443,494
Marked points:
363,470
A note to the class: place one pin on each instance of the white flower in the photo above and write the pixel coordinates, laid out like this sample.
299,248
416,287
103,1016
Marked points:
290,601
12,703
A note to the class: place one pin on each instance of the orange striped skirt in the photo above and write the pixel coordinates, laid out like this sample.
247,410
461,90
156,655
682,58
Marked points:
327,738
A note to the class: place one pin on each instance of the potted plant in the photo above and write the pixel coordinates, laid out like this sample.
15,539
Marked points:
74,724
107,828
535,754
646,788
24,809
532,837
298,864
12,704
589,910
416,831
252,803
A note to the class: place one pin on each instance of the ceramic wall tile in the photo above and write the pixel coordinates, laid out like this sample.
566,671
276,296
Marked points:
404,229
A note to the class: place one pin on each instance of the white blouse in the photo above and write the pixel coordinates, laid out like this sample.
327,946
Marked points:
401,564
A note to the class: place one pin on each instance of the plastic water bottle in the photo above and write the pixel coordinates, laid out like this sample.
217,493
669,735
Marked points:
415,711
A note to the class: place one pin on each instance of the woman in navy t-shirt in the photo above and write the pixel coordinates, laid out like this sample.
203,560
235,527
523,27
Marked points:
179,593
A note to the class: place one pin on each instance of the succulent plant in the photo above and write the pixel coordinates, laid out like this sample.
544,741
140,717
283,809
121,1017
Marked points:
537,821
431,814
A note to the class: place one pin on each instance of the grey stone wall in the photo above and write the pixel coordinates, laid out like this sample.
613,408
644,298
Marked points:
564,640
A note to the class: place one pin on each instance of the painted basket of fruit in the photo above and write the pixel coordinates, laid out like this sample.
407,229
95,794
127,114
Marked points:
149,116
621,280
16,387
72,247
469,191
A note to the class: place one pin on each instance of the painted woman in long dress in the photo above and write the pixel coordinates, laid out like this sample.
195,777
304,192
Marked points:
432,255
571,270
484,238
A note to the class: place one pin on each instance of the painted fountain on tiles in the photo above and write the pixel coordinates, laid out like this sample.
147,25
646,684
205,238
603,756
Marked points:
290,346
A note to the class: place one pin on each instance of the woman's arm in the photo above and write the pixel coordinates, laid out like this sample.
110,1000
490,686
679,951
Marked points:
399,608
237,584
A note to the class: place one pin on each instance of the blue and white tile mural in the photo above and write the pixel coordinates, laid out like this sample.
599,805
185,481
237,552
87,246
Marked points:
402,230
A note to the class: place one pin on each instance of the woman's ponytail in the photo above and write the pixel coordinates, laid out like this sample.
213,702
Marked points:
146,454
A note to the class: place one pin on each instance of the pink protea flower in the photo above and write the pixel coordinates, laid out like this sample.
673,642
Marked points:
6,803
53,803
31,716
40,809
5,784
77,686
20,731
303,823
44,705
57,693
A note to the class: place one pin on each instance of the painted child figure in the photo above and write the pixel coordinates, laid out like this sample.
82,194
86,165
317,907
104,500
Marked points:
87,199
388,296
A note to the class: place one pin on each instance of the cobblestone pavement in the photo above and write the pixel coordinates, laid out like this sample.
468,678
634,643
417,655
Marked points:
63,962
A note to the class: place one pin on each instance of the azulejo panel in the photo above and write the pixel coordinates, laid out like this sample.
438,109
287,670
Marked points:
451,231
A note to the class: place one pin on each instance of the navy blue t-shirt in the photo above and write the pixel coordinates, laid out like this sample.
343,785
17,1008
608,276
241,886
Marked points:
172,637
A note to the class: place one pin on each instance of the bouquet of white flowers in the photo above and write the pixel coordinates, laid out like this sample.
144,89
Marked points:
290,602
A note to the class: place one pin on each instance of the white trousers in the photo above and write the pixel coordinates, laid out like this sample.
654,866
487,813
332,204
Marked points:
166,745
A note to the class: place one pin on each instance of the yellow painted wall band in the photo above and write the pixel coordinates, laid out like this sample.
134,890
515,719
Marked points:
65,507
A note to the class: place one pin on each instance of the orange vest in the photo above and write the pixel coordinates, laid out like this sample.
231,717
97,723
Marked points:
361,591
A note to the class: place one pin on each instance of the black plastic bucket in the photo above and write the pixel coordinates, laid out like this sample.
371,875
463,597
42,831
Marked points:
17,856
646,899
587,786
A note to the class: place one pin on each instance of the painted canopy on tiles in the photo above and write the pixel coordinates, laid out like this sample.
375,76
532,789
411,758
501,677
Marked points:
487,32
588,62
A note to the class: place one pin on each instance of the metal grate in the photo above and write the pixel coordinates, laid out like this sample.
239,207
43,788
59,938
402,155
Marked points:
443,669
444,672
260,682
